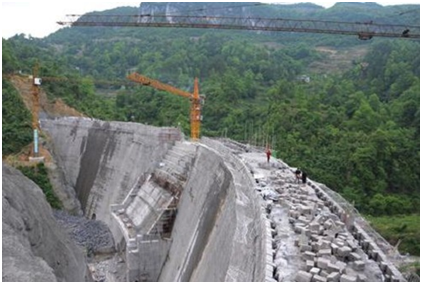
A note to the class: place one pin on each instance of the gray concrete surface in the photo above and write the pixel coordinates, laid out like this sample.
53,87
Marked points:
34,247
101,161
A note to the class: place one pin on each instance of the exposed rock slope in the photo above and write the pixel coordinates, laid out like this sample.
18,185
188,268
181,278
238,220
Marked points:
35,248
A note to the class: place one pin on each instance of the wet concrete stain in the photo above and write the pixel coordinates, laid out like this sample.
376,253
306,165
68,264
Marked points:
100,141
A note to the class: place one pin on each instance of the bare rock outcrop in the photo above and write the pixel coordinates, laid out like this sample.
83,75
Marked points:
35,248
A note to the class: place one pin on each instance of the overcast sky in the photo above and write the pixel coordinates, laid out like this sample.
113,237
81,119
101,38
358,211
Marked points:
38,18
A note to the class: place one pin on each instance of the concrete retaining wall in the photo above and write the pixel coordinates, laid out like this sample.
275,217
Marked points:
220,232
103,160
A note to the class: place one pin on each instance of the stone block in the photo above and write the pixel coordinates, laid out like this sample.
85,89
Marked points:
333,268
298,228
308,255
303,219
347,278
304,248
318,278
352,244
339,243
328,224
314,270
341,265
334,248
309,265
324,244
305,210
315,237
355,256
324,273
333,277
322,263
344,251
362,278
322,252
303,276
359,265
314,227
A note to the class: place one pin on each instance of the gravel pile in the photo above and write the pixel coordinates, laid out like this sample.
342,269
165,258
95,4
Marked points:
93,235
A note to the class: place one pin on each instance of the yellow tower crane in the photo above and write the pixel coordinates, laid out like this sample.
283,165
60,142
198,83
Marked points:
36,82
195,98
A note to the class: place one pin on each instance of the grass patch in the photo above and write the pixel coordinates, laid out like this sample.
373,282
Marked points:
39,175
402,227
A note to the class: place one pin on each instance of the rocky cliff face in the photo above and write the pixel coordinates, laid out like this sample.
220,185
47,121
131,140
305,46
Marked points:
35,248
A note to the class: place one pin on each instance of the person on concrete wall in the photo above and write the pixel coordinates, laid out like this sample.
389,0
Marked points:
268,152
304,177
297,173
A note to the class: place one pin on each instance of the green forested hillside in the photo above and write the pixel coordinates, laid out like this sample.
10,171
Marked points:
356,131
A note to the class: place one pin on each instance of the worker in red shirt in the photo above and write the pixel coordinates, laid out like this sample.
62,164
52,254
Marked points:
268,152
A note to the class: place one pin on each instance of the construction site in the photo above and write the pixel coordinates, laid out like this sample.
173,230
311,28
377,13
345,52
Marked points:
205,209
168,207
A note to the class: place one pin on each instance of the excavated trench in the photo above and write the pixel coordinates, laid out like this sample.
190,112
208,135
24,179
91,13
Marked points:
208,211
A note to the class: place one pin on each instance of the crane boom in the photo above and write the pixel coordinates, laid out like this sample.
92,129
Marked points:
195,107
135,77
364,30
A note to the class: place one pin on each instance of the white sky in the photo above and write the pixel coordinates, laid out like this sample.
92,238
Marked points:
38,18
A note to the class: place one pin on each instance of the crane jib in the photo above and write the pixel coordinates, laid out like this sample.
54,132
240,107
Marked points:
364,30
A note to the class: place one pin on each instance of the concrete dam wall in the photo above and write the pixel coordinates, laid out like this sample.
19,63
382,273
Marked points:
209,210
179,211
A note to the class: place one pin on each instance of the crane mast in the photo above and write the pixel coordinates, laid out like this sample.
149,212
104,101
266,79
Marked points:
364,30
195,107
36,82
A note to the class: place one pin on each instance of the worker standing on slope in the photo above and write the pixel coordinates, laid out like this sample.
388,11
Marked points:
298,175
304,176
268,152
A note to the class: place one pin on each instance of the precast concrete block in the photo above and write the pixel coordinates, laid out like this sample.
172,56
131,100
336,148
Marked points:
362,278
341,265
339,243
328,224
303,220
309,265
339,224
323,263
304,248
383,266
318,278
343,252
333,277
315,270
355,256
359,265
352,244
303,276
374,254
305,210
307,255
323,252
334,248
314,227
331,267
324,273
348,278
